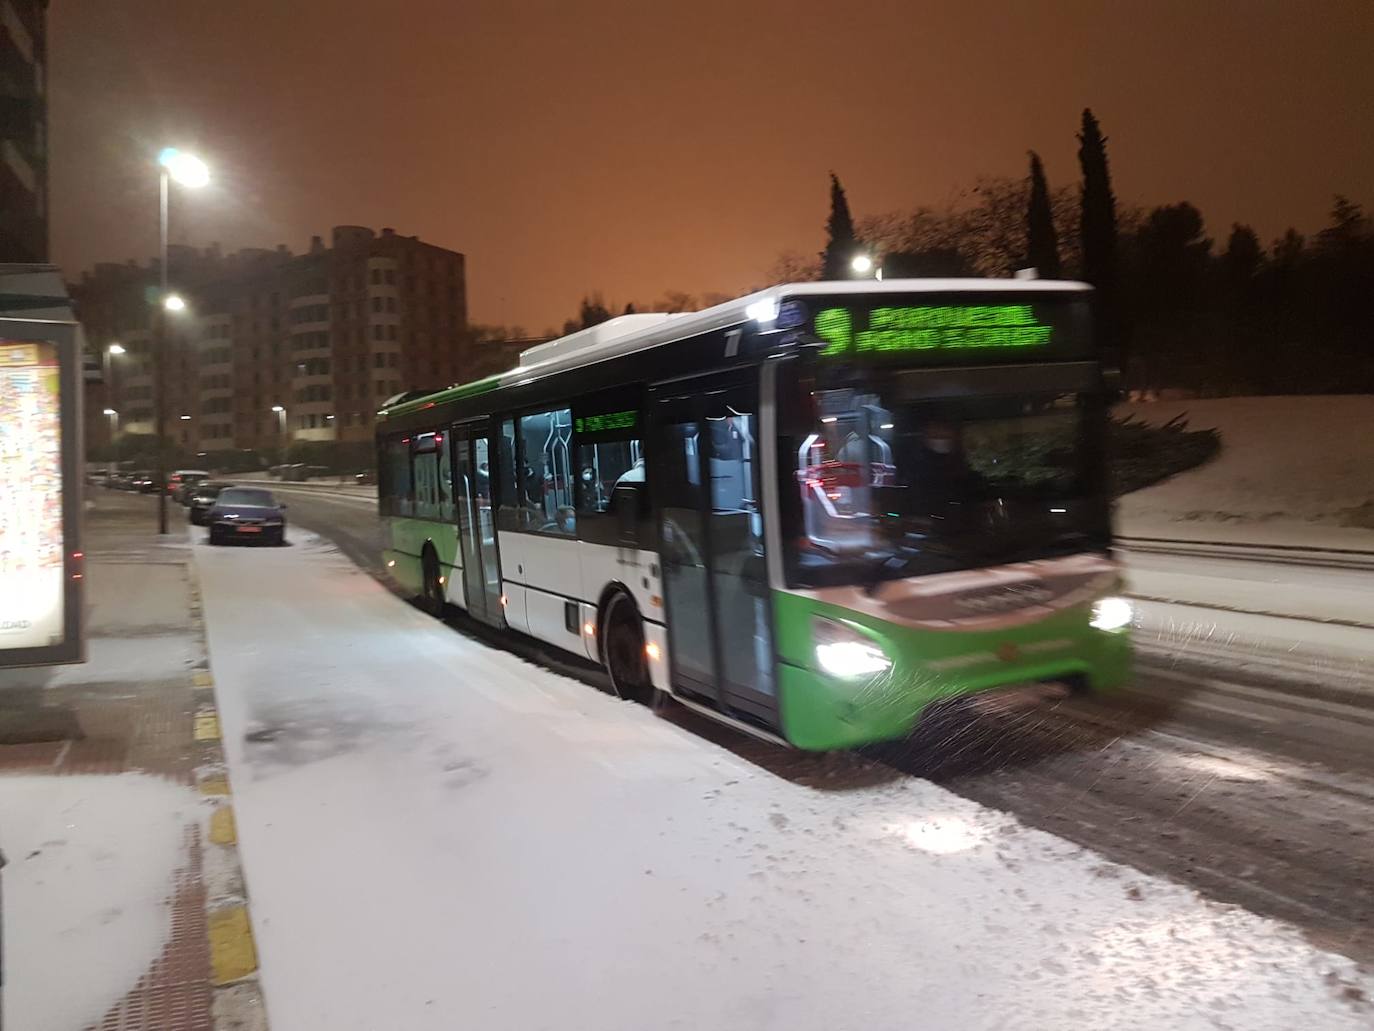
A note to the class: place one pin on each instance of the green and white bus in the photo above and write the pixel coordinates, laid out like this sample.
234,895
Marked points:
812,512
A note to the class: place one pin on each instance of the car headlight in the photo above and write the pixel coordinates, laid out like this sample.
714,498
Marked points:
844,652
1111,614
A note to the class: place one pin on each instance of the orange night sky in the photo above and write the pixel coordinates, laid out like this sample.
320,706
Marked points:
635,148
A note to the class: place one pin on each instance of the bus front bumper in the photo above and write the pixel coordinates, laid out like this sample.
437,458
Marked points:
821,712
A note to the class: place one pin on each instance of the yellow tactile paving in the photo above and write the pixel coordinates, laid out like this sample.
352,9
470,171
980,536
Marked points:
222,828
232,954
207,727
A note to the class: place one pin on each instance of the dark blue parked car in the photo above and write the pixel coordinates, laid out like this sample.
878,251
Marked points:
246,514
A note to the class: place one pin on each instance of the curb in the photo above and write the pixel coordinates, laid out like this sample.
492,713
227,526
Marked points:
236,999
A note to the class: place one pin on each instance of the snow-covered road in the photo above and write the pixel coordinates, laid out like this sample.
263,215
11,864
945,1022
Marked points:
438,834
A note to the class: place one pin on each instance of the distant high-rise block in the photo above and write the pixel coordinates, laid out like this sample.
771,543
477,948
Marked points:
23,131
328,335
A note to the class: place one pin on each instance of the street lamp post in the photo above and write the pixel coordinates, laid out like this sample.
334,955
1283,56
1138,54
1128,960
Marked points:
113,418
115,349
191,172
281,433
108,355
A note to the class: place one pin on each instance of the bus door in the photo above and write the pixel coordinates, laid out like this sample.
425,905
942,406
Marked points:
472,468
707,486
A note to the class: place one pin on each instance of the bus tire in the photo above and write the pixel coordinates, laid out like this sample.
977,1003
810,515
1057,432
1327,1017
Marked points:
622,649
433,598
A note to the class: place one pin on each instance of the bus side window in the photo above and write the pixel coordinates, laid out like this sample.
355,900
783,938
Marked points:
426,485
611,499
508,514
400,496
602,467
546,480
445,481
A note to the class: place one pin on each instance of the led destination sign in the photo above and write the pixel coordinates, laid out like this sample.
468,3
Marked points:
980,327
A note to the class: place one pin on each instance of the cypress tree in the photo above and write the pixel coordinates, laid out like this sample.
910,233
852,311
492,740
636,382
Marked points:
1098,225
1042,243
1097,230
841,244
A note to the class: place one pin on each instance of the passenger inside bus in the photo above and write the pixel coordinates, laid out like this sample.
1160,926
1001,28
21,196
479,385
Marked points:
937,467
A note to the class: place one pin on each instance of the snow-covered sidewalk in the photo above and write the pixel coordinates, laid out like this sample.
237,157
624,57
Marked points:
438,834
105,890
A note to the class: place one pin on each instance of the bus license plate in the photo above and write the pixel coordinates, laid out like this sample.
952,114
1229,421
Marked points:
250,529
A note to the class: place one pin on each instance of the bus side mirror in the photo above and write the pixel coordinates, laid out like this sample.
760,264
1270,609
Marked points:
630,503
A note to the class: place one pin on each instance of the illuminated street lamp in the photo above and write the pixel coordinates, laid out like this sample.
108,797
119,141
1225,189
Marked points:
186,169
861,264
113,351
113,417
189,171
280,433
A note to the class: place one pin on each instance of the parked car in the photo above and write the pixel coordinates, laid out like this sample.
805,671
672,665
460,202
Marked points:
246,514
181,479
141,481
201,498
366,476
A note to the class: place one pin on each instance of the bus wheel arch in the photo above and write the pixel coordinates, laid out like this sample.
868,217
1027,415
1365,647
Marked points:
620,644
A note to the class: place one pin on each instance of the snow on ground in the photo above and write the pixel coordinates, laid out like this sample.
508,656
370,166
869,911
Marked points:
1292,470
86,908
438,834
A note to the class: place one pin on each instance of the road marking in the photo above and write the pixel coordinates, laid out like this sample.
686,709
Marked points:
207,727
223,831
215,786
202,678
232,954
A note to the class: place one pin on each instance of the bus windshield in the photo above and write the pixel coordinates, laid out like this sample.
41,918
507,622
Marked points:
891,486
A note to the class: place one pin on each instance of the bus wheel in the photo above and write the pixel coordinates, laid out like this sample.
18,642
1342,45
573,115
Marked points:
434,590
622,649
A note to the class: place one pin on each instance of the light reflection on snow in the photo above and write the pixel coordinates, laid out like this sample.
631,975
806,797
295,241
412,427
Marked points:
1226,769
941,835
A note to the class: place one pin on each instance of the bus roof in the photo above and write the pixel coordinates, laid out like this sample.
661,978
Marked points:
629,333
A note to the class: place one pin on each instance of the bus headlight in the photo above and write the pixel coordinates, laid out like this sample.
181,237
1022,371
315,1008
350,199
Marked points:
846,653
1111,614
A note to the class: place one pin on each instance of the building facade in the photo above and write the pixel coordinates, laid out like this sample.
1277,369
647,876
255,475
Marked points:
275,347
23,131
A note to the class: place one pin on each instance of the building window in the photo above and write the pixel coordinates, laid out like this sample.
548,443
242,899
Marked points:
391,304
391,276
377,332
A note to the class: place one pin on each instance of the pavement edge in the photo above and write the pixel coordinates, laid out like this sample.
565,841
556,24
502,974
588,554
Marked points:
237,1002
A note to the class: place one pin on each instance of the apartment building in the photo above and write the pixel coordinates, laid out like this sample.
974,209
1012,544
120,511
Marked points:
23,131
276,347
